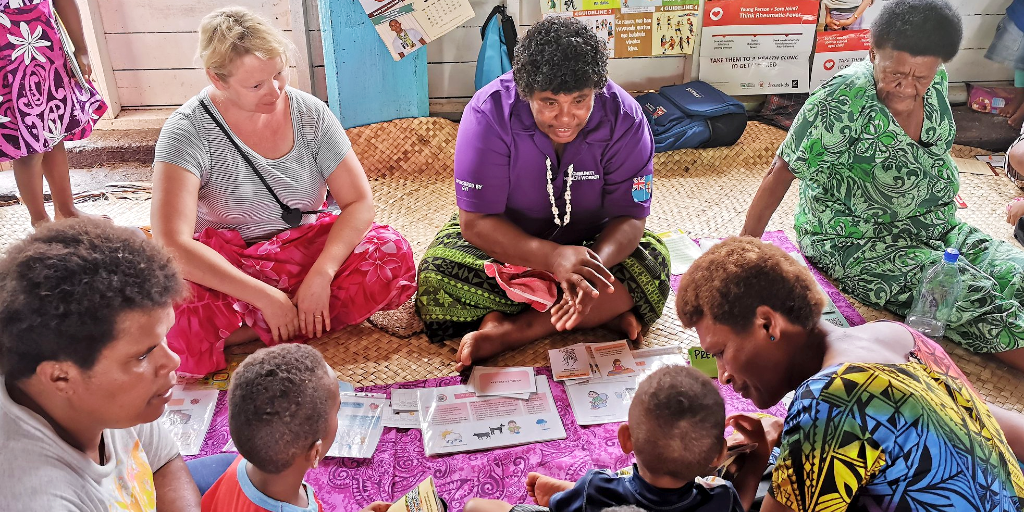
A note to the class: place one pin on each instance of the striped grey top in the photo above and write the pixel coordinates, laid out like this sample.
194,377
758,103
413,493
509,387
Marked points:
230,194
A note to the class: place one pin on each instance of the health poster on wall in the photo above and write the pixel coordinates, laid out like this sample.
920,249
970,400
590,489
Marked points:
455,419
636,28
407,25
758,46
836,51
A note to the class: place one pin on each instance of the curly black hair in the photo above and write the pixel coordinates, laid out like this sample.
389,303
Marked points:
922,28
560,55
677,423
279,404
64,288
741,274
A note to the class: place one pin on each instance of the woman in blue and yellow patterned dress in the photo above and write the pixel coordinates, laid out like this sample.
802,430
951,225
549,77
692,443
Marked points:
881,420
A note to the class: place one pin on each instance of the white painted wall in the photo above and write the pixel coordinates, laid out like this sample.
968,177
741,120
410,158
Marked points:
152,44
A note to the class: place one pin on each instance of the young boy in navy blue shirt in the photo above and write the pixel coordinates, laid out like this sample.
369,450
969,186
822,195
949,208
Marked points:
676,430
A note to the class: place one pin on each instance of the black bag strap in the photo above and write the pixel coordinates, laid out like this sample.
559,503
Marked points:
498,9
287,211
508,30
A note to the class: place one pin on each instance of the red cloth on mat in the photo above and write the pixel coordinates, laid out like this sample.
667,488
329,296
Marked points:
380,274
538,288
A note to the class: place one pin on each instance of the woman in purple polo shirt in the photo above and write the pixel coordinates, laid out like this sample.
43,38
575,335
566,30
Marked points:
553,171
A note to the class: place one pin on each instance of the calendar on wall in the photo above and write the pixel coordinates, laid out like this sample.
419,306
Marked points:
408,25
636,28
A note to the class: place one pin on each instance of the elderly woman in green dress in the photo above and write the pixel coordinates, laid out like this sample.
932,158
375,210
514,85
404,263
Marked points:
871,150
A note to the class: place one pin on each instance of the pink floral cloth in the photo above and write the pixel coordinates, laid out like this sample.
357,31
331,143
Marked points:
41,101
380,274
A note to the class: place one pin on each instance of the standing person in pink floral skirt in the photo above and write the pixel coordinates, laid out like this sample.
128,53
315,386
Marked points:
46,98
240,172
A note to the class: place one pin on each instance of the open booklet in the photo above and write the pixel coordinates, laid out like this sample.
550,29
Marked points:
599,399
407,25
454,419
422,498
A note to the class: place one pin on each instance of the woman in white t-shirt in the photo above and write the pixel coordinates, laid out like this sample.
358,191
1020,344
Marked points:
85,373
239,175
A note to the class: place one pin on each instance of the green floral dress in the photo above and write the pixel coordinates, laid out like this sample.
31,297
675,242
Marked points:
876,209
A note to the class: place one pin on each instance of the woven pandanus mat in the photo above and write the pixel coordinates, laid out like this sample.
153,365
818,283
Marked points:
421,148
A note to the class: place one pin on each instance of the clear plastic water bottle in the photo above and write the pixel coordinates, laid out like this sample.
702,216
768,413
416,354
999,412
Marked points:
936,297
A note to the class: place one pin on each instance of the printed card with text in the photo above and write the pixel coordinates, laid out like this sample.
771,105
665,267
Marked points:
401,419
570,362
455,419
359,425
613,359
188,415
405,399
487,381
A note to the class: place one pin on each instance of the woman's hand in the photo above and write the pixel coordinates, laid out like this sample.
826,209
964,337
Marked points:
280,315
377,506
1014,211
564,315
748,468
313,303
582,276
84,63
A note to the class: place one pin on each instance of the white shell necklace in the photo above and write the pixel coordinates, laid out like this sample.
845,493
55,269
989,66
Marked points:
568,196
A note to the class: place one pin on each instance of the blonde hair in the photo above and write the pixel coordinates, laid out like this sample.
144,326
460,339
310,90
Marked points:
230,33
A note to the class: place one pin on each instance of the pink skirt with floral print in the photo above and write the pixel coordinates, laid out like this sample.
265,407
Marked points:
380,274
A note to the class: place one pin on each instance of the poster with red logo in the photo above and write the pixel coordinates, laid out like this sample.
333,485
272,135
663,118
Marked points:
758,46
836,51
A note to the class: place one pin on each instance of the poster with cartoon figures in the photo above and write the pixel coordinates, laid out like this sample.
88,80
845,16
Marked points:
188,415
454,419
359,425
408,25
675,30
636,28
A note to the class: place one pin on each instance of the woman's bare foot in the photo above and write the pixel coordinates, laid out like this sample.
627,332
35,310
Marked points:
1012,107
37,223
243,334
75,213
498,333
628,324
1017,119
542,487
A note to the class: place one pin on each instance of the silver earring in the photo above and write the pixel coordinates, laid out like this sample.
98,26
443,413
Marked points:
771,338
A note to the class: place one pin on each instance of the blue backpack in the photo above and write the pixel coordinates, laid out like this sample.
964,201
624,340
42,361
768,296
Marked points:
498,48
693,115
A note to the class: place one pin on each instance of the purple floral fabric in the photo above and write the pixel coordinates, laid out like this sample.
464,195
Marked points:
41,102
347,485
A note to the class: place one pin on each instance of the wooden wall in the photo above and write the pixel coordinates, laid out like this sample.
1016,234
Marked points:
152,44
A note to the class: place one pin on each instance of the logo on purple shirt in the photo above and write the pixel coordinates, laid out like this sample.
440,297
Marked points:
642,188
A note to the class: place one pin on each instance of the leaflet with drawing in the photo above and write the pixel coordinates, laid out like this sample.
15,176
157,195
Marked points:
606,399
454,419
360,424
407,25
188,416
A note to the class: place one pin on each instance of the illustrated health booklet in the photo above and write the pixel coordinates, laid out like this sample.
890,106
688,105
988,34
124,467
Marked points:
454,419
601,400
360,424
188,416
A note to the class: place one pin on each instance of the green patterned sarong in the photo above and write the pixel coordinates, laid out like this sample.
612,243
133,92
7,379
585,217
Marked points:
876,209
455,293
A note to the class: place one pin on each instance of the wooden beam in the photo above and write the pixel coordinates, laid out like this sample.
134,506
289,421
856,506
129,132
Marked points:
96,41
300,37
